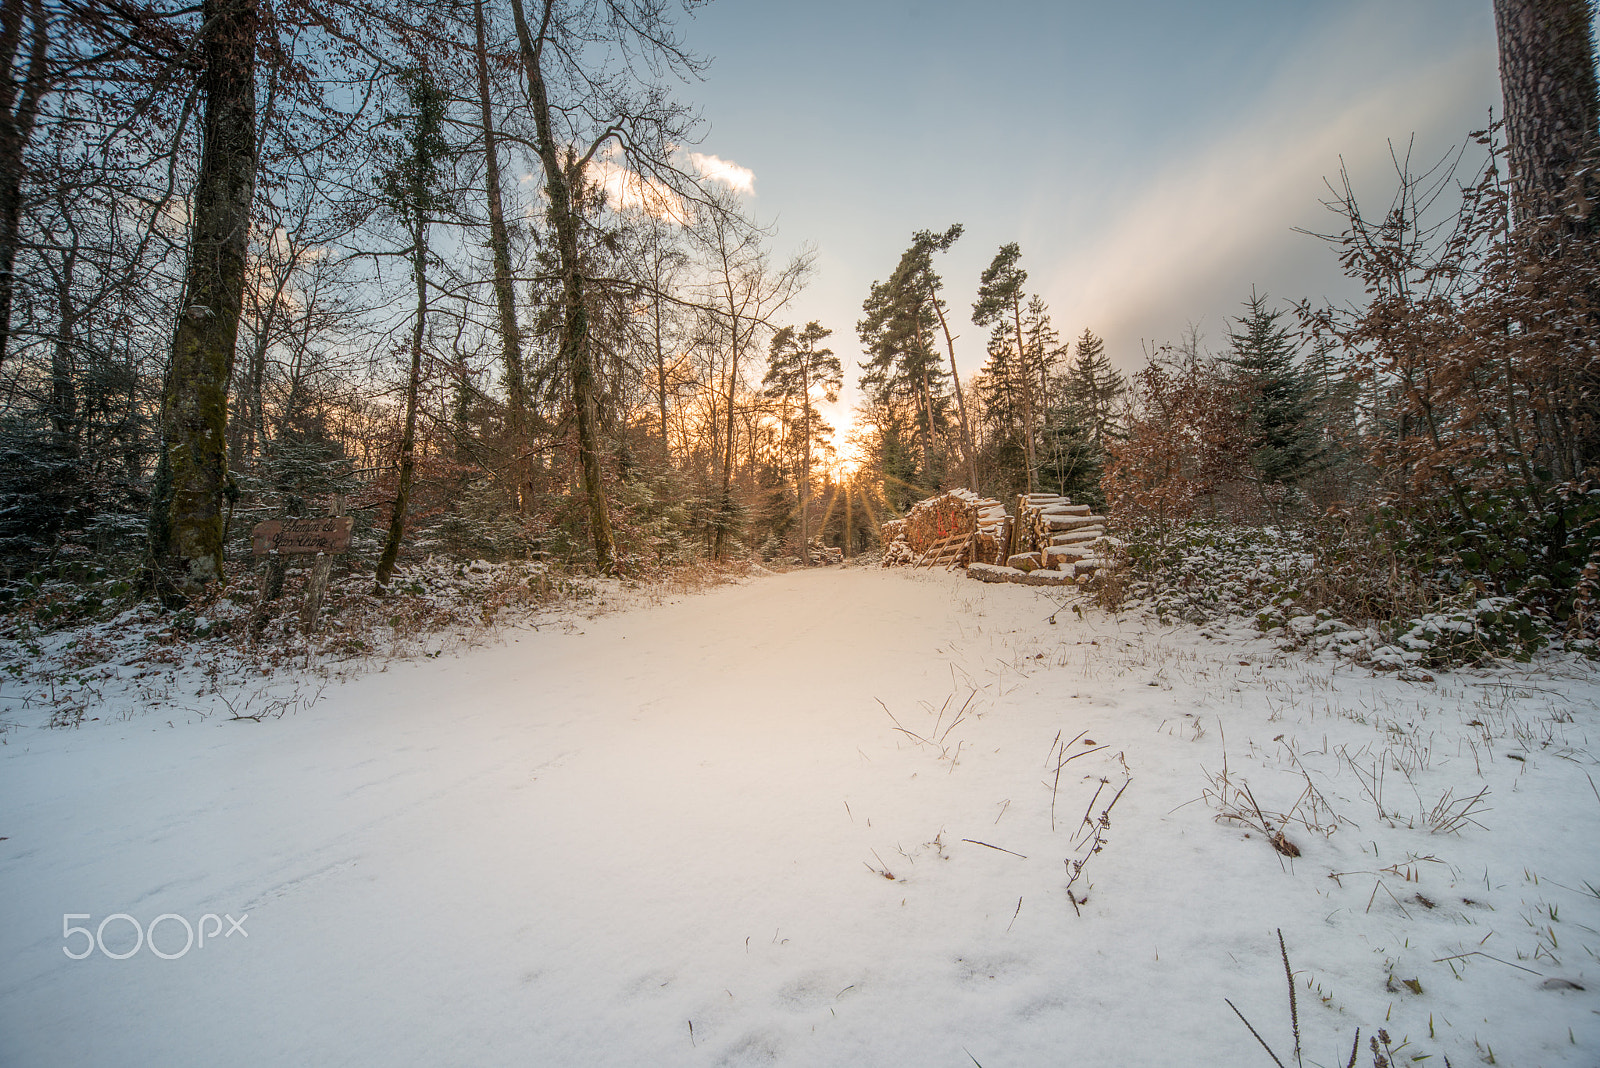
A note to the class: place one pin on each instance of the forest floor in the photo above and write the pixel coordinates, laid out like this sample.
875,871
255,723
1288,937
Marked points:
842,816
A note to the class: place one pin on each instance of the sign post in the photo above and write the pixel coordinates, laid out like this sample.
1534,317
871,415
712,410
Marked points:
303,536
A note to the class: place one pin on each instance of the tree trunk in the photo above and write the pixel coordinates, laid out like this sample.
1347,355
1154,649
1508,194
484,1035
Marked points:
63,390
1547,76
661,384
18,112
961,402
573,346
725,505
1027,393
849,516
805,464
408,435
195,408
504,294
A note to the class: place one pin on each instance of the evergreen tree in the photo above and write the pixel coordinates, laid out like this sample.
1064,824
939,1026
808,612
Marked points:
999,306
926,242
1094,388
1072,464
796,370
1282,432
896,332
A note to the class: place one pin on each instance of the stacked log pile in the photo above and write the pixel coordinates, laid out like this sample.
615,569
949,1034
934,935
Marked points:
1050,541
1054,534
896,551
938,525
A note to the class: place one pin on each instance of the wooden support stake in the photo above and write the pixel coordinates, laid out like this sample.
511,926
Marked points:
317,588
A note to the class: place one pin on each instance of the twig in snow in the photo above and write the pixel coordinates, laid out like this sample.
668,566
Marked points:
882,868
1253,1031
1497,960
960,715
974,841
1055,785
1014,916
1294,1011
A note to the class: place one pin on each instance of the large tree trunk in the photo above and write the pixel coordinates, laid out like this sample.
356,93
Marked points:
408,435
1552,110
504,294
573,346
20,93
1547,75
195,408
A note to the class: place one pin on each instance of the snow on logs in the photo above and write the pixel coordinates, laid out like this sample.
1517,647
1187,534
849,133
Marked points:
1050,538
1054,534
954,528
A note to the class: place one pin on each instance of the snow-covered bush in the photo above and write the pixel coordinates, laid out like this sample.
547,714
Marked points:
1487,628
1334,587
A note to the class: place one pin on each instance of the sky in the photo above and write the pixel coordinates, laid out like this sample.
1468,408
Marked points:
1152,159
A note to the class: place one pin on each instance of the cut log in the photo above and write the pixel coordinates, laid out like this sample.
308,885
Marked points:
1072,522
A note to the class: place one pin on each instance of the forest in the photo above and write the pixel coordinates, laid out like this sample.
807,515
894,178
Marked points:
456,269
461,603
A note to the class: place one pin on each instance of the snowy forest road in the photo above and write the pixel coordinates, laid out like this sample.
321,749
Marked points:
686,834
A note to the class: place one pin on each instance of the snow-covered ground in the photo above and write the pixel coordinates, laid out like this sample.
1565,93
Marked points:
820,818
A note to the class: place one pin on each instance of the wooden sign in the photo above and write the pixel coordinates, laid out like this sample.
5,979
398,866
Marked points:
316,534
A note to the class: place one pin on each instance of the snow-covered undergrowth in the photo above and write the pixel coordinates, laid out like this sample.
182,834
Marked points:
1304,588
844,816
70,654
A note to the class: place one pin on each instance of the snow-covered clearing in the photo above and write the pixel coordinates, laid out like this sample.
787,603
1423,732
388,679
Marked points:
688,834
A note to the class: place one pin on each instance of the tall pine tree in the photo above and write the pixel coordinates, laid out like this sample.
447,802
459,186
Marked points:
1280,403
1094,390
797,371
999,306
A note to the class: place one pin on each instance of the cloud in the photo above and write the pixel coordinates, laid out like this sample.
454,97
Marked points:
1186,237
725,173
628,190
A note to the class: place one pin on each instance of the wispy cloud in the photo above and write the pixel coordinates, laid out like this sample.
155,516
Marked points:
1208,218
628,190
725,173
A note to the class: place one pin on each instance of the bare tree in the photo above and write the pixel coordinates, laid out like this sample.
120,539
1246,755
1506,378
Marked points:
579,108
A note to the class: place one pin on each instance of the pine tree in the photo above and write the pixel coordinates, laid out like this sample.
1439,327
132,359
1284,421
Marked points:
1552,108
1282,432
926,242
1094,389
999,305
796,371
897,334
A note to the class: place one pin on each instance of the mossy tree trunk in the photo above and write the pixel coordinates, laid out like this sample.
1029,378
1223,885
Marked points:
188,532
